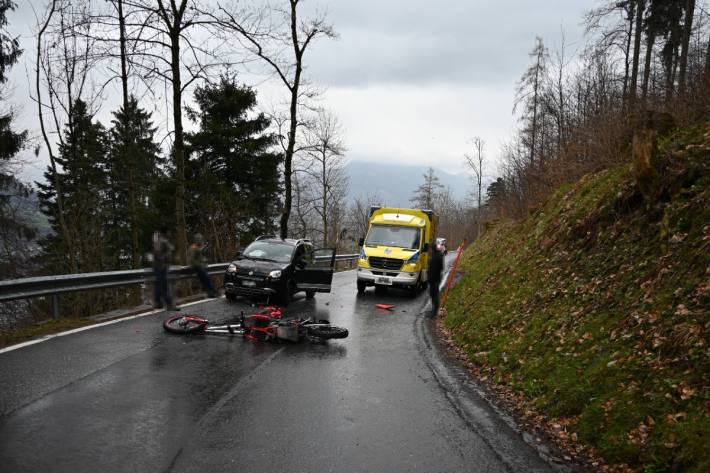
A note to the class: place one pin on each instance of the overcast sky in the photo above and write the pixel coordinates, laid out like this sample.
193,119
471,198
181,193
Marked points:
411,81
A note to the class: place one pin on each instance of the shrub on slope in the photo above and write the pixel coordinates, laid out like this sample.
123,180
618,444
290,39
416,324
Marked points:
596,308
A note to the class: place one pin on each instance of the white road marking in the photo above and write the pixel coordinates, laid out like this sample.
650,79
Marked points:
89,327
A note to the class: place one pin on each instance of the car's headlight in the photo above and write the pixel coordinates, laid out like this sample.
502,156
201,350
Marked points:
363,256
413,259
232,268
275,274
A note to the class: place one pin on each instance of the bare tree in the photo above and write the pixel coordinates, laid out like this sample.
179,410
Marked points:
271,42
303,206
475,163
178,55
359,214
62,66
326,169
426,194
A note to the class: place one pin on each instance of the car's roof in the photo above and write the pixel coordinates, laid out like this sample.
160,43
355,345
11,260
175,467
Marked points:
287,241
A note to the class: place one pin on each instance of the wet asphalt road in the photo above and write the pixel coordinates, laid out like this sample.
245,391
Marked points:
128,397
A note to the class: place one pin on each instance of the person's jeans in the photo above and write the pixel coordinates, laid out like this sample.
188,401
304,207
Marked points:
205,280
434,293
162,291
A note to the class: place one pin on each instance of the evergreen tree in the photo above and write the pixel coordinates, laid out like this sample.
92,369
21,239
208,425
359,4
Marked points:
13,231
233,183
82,157
133,169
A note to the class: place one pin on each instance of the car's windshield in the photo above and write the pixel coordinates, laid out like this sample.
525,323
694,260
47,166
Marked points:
270,251
393,235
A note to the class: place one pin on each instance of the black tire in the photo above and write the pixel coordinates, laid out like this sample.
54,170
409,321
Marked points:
230,297
414,290
327,332
178,325
361,287
310,294
286,292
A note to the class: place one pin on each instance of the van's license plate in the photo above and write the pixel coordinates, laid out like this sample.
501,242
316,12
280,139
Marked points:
384,281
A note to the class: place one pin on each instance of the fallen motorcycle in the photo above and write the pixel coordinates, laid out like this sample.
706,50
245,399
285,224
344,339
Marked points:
266,325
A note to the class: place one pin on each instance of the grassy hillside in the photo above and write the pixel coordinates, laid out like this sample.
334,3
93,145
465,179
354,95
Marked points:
597,309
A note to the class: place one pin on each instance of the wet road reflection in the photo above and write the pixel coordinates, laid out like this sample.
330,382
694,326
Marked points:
128,397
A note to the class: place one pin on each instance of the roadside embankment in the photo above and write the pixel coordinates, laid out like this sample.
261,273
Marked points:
596,308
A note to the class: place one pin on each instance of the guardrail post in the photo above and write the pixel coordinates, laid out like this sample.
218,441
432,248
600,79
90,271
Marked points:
55,306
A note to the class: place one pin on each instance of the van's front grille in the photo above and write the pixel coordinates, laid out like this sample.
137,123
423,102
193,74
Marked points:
385,263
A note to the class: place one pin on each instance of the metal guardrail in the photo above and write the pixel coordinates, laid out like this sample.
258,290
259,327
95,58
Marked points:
53,286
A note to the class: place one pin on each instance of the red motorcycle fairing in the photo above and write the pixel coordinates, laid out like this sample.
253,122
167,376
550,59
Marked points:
259,327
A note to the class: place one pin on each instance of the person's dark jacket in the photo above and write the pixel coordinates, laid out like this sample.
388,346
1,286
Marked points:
436,269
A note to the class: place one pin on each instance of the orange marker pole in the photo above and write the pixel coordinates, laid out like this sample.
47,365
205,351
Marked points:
452,272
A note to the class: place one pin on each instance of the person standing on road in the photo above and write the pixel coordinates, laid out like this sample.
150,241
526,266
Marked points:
162,250
197,260
435,273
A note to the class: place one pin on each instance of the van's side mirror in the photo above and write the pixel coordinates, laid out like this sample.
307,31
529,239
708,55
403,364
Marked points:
361,242
425,247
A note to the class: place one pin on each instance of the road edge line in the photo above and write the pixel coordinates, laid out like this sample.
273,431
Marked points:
50,336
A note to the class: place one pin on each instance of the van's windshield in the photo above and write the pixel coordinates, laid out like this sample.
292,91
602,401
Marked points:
393,235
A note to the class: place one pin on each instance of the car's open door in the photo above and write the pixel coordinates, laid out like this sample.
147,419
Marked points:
314,272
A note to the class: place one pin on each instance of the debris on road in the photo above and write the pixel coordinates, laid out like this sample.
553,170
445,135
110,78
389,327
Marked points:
388,307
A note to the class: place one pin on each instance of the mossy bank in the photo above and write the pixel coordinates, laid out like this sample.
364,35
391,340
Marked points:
596,308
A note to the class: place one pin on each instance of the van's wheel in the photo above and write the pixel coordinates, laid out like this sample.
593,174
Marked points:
414,290
361,287
310,294
230,297
417,288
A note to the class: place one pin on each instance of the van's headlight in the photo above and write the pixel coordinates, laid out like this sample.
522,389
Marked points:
276,274
413,259
232,268
363,256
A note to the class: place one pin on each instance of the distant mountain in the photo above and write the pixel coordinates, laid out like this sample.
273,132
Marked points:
396,183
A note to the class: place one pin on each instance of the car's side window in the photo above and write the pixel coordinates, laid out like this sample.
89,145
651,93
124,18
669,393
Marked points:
309,257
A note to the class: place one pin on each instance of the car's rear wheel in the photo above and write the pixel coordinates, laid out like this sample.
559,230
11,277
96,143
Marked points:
310,294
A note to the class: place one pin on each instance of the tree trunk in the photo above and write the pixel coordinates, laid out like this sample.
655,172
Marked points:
133,221
178,148
53,164
288,158
641,4
687,29
325,197
627,53
650,40
706,79
122,42
534,117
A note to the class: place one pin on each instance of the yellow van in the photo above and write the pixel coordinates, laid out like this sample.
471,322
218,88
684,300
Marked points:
395,251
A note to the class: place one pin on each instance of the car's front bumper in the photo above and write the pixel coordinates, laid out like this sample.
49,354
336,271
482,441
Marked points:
249,287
